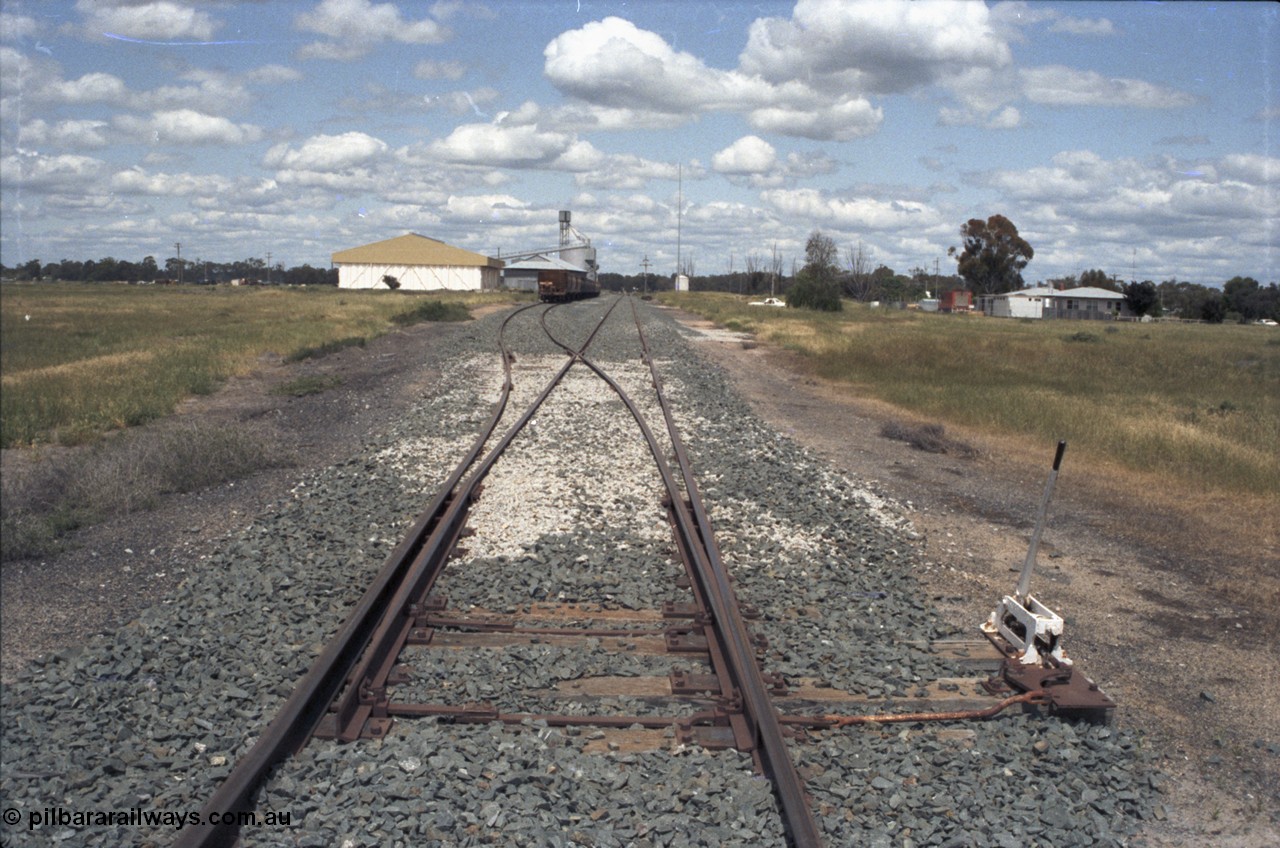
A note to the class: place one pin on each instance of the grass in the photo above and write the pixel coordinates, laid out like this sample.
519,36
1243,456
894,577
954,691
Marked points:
1198,404
80,360
52,495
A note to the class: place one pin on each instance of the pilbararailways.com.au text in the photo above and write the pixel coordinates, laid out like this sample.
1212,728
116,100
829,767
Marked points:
139,817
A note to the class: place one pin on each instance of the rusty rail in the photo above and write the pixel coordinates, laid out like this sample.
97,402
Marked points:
374,616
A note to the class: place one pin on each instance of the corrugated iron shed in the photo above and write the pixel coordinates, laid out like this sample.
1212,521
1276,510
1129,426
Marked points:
413,249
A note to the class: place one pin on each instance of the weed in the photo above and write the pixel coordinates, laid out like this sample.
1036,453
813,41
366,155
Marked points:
432,310
312,385
930,438
1082,336
322,350
48,498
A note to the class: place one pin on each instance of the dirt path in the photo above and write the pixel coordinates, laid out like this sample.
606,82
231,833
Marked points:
1132,578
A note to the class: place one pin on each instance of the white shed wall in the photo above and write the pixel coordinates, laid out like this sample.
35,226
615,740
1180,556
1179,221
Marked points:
419,277
1010,306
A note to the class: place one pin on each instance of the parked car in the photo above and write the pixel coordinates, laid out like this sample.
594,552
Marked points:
768,301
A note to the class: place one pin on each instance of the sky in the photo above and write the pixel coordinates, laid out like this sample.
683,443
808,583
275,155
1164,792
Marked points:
1135,137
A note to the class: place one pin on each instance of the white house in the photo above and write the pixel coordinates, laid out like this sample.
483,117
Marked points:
1087,302
416,263
1027,303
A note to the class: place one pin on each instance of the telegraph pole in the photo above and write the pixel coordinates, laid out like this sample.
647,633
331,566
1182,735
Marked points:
645,265
679,215
268,267
177,245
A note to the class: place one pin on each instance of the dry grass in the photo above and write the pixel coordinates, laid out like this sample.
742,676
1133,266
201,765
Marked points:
1196,406
80,360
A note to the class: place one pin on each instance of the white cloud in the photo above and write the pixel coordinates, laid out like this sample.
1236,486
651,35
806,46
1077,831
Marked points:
857,213
357,26
14,27
1083,26
499,145
35,170
614,63
72,134
1056,85
1082,198
871,46
485,207
748,155
630,75
327,153
187,127
94,87
626,172
845,120
1251,167
434,69
154,21
273,75
138,181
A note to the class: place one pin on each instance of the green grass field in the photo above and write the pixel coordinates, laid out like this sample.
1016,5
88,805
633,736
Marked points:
81,359
1196,403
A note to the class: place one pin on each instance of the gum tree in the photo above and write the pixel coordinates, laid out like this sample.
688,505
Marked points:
993,255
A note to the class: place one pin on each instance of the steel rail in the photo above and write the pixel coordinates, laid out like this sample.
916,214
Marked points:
360,701
772,746
306,706
694,529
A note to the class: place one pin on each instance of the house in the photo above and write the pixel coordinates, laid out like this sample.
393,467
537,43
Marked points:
1026,303
1087,303
525,274
416,263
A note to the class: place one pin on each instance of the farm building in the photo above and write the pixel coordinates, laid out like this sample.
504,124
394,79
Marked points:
525,274
415,263
956,301
1087,303
1027,303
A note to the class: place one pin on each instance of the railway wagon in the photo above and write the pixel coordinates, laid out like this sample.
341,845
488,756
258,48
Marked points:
558,285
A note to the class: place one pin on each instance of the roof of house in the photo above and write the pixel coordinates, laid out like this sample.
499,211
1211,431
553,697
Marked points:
412,249
1034,291
1090,293
544,263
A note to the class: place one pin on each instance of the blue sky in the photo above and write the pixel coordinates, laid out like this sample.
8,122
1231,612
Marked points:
1129,136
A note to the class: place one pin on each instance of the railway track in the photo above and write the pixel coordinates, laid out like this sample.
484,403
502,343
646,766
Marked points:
558,652
352,679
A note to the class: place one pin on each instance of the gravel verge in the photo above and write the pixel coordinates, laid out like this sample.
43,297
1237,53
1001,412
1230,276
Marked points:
152,715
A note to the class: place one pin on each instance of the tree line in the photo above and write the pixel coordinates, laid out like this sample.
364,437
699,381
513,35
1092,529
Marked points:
111,270
990,260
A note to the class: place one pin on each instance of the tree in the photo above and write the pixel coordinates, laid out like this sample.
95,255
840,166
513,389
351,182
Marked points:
29,270
1249,299
755,273
1214,308
1142,297
993,256
816,285
391,282
1098,279
860,282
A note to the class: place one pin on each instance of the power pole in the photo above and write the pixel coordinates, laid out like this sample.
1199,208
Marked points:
679,214
177,245
645,265
268,267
